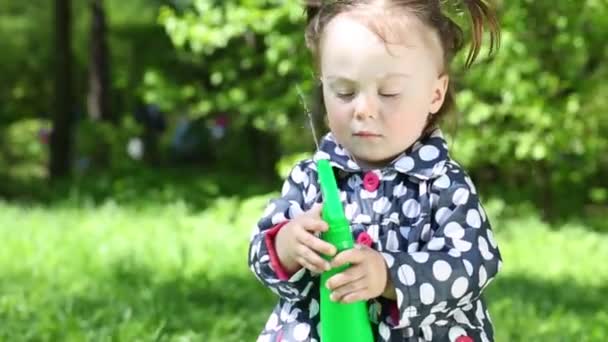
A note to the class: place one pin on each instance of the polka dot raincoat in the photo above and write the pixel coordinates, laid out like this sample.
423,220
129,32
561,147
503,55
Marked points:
423,213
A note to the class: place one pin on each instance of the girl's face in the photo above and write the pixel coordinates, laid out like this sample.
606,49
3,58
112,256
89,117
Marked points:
378,96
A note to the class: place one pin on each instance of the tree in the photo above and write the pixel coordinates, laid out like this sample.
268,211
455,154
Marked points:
98,100
61,137
532,116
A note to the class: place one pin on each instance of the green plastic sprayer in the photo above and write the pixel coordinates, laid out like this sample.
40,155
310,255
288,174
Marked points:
339,322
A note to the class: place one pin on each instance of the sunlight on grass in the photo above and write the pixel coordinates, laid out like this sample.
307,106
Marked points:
553,284
170,273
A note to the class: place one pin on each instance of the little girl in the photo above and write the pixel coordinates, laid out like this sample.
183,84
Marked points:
425,250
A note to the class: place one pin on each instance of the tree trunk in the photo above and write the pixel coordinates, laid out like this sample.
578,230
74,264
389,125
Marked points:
61,137
98,99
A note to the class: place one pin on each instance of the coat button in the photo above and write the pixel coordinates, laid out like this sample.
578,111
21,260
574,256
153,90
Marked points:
464,338
365,239
371,181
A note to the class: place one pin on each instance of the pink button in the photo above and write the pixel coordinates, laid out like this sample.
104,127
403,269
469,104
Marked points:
364,239
371,181
464,338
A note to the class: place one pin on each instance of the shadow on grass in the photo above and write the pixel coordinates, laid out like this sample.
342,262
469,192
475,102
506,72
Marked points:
547,297
229,307
526,309
135,303
132,302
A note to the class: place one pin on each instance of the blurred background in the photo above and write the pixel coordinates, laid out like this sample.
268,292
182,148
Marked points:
140,141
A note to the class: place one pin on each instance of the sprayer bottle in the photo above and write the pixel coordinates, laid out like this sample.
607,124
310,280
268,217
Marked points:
339,322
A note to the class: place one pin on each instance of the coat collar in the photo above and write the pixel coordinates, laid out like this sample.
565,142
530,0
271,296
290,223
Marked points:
425,159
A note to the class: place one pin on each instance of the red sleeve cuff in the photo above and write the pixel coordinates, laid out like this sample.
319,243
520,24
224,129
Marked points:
394,312
282,274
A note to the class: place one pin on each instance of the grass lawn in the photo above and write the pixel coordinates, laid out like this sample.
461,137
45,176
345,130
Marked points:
115,272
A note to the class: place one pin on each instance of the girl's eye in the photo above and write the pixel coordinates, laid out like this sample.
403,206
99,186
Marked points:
390,95
345,95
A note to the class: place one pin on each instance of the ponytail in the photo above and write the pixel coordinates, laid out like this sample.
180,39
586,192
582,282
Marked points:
480,13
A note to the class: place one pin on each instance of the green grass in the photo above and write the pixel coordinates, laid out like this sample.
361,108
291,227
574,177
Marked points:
554,286
166,272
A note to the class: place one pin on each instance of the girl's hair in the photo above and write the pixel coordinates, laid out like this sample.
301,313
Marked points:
319,13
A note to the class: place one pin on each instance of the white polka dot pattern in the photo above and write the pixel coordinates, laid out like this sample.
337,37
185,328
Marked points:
442,270
426,220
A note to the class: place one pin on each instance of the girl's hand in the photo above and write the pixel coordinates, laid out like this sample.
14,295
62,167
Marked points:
297,245
366,277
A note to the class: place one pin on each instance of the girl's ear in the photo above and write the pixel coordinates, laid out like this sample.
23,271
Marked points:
440,88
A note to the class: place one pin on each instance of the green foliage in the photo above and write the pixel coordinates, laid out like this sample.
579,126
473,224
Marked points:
534,112
286,164
102,144
254,55
22,153
539,102
27,87
25,59
532,117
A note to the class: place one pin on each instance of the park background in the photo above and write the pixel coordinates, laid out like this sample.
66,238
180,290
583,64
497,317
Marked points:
141,139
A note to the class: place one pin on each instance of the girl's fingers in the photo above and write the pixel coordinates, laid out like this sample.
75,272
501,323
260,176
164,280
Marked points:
313,258
314,224
307,265
316,210
355,296
351,275
351,290
316,244
352,256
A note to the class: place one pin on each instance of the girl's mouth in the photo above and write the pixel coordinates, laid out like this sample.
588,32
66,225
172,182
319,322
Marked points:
366,134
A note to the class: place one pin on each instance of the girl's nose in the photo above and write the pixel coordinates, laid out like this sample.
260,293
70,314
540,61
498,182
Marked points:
365,107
